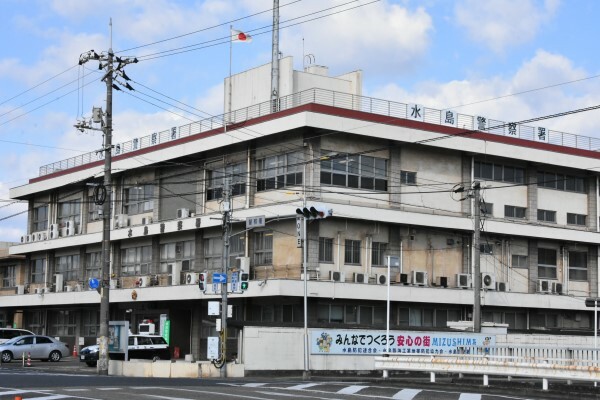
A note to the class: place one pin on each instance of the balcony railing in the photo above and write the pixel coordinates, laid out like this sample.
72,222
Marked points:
323,97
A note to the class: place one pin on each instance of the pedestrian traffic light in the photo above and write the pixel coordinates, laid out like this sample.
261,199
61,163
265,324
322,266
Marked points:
316,211
244,280
202,281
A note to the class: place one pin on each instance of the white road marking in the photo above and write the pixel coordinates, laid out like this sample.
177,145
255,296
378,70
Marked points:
303,386
53,397
469,396
256,384
406,394
13,392
77,390
351,389
108,388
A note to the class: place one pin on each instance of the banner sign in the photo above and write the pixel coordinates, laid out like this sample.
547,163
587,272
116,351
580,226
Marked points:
359,342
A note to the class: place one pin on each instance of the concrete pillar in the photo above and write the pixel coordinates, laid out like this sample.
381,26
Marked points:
532,191
533,265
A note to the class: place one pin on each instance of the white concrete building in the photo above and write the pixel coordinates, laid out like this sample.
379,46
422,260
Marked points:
391,173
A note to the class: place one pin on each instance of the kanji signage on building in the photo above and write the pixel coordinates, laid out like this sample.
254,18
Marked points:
357,342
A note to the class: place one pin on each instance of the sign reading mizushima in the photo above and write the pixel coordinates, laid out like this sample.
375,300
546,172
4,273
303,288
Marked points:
374,342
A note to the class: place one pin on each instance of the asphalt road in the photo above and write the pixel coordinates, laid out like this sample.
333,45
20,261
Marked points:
70,379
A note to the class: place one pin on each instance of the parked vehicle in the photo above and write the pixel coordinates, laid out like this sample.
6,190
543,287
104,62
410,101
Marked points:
146,347
37,347
8,333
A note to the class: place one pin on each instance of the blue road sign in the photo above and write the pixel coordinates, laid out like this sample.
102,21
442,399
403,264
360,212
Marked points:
234,282
219,278
94,283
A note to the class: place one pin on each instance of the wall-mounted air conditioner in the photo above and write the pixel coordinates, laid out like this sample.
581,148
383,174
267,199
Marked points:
337,276
381,279
488,281
403,279
24,239
146,220
114,284
20,289
191,278
463,281
54,231
33,237
501,286
557,288
361,278
28,238
419,278
58,282
544,286
175,273
183,212
71,228
121,221
144,281
441,281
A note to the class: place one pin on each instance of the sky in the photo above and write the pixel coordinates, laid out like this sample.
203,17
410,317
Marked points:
507,59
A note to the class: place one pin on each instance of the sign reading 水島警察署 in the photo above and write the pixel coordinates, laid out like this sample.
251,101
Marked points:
325,341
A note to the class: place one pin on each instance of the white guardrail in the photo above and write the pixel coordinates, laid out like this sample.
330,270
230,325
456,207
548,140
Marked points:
571,364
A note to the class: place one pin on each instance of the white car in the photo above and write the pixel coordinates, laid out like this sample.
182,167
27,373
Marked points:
148,347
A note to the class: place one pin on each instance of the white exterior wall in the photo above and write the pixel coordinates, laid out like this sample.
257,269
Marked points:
562,202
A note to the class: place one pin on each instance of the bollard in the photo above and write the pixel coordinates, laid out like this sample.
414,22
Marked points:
432,377
486,381
29,359
544,384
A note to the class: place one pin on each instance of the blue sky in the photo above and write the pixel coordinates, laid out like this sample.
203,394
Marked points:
441,54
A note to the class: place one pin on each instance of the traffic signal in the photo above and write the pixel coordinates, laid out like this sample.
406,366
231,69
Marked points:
316,211
244,280
202,281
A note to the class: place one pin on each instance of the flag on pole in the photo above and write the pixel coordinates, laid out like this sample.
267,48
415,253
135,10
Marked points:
239,36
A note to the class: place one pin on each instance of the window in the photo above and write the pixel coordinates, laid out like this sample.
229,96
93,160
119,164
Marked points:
352,252
325,249
136,260
68,266
575,219
235,174
95,210
138,199
213,253
567,183
354,171
263,248
514,212
519,261
237,247
40,218
578,266
408,178
498,172
546,263
93,265
38,270
378,253
279,171
90,320
61,323
486,248
487,209
8,276
547,216
68,210
182,252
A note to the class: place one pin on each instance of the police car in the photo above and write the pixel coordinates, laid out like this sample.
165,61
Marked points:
146,347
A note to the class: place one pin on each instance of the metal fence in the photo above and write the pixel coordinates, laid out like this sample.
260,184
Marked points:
324,97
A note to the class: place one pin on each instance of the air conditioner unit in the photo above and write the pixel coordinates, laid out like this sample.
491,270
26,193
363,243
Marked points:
419,278
381,279
557,287
361,278
488,281
501,286
20,289
191,278
121,221
24,239
442,281
146,220
243,264
29,240
183,212
54,231
544,286
175,273
403,279
463,281
33,237
58,282
71,228
337,276
114,284
144,281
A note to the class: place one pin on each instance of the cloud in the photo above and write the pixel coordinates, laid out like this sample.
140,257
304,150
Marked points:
499,24
370,33
543,69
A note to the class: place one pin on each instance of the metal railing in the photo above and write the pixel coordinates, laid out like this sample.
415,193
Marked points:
324,97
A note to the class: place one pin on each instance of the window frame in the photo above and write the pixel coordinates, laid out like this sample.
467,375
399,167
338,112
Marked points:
578,269
545,266
40,224
508,173
378,251
288,171
408,177
262,249
68,210
142,263
563,182
545,214
325,250
215,180
37,272
515,212
138,203
354,171
576,219
352,252
9,276
68,266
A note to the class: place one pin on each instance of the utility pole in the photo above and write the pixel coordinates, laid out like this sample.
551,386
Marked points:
225,269
107,63
476,261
